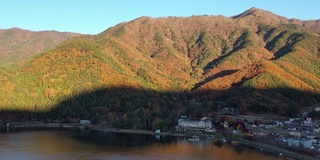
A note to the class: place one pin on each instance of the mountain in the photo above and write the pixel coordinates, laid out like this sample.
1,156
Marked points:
18,44
255,15
146,72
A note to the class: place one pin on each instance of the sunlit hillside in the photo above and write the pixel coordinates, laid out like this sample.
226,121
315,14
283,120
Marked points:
17,45
146,72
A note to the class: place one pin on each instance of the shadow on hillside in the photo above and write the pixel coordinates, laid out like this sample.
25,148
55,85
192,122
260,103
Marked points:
126,107
282,51
210,78
216,61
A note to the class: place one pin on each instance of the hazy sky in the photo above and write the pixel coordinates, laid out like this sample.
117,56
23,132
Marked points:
95,16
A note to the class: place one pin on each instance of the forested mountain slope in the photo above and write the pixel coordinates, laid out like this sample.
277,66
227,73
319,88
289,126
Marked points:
147,72
17,44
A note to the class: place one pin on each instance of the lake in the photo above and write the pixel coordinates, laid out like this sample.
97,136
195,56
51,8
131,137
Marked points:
76,145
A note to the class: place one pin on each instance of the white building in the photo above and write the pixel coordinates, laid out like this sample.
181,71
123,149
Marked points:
305,143
202,124
295,134
294,142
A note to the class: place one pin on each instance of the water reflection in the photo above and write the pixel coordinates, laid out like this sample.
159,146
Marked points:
83,146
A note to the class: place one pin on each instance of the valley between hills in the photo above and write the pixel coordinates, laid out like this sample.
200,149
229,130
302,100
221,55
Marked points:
146,73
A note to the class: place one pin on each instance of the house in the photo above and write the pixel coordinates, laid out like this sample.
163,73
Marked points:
295,134
278,123
307,123
292,128
287,122
291,119
304,113
227,110
158,131
274,134
187,124
184,117
235,131
210,130
225,124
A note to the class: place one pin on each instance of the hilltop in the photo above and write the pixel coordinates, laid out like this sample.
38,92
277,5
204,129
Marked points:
146,72
17,44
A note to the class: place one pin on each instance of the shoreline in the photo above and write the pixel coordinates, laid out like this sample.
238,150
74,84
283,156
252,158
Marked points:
117,130
271,149
267,148
134,131
39,125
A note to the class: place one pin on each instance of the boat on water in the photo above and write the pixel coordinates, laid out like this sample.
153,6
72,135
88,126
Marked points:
194,138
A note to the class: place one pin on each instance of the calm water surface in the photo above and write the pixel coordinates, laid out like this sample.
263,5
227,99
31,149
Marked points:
73,145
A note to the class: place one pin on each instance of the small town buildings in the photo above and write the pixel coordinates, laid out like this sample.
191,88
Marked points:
188,124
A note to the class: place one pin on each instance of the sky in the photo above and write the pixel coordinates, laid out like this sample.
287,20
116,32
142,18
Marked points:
95,16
